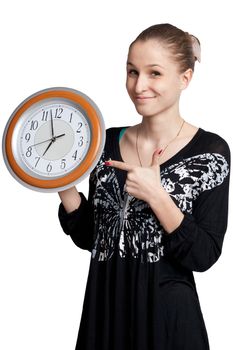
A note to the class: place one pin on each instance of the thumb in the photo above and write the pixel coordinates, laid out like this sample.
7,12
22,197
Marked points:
155,157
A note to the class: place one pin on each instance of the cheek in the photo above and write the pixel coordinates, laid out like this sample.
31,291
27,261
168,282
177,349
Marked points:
175,91
169,88
129,86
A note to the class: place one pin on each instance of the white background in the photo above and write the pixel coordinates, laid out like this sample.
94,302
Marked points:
84,45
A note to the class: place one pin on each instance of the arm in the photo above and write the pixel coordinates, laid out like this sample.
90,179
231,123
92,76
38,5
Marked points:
197,242
70,198
76,216
168,213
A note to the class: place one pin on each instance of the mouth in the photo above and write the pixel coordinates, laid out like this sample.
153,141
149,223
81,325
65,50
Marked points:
144,98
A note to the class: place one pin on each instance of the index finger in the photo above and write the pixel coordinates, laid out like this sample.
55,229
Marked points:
119,165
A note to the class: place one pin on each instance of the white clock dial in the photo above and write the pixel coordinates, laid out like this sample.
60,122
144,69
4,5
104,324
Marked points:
52,139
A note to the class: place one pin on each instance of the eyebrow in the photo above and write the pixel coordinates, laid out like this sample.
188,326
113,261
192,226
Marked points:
149,65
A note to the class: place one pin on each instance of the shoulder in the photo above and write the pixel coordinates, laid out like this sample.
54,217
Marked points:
214,138
111,137
115,129
211,142
114,132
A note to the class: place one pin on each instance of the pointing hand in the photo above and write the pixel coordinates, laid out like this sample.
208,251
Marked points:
141,182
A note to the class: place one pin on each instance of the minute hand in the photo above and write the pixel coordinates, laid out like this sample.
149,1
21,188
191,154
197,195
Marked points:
52,126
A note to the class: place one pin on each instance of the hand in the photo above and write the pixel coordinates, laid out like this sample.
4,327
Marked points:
141,182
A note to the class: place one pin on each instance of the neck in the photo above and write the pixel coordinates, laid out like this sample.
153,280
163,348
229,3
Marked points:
158,131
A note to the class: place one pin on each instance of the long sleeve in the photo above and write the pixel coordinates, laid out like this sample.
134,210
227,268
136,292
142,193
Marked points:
197,243
79,224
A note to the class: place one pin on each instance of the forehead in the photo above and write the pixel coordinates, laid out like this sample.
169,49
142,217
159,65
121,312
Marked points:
148,52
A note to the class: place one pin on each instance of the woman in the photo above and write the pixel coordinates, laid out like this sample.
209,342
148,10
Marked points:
156,210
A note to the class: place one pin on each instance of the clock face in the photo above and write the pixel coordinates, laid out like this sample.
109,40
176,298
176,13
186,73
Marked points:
53,139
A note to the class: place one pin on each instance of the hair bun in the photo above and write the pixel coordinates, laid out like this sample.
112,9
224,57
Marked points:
196,48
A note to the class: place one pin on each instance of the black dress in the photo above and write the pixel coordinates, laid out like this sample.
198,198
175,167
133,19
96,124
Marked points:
140,292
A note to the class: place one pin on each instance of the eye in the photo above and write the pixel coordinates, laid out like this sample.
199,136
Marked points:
132,72
155,73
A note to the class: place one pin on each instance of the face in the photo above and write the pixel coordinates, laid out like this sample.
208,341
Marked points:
154,83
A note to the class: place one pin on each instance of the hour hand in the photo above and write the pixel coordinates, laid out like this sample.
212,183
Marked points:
47,147
57,137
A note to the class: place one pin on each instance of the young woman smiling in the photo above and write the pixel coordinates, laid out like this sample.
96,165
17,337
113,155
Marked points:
156,210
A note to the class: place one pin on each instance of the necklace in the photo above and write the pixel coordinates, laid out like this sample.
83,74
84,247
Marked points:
164,147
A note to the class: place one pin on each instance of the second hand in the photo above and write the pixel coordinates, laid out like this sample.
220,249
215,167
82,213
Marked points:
53,138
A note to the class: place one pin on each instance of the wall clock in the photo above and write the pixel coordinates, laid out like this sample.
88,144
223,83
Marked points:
53,139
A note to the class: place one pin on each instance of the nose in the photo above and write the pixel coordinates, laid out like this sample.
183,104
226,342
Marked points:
141,84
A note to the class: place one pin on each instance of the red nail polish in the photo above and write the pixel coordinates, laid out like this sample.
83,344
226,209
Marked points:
107,163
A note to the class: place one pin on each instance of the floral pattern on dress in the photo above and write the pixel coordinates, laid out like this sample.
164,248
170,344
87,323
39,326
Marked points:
186,180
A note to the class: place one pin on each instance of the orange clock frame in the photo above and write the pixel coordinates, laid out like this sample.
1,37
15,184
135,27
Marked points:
90,156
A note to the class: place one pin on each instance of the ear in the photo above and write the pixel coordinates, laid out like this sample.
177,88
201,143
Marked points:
186,78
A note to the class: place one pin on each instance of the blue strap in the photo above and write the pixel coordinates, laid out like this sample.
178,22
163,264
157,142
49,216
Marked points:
121,133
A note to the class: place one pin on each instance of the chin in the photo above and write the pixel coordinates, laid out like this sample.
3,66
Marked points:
146,112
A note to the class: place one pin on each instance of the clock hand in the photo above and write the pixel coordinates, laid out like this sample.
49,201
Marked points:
47,148
52,141
39,143
52,125
56,137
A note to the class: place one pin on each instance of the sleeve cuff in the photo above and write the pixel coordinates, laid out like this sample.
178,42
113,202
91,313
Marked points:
66,219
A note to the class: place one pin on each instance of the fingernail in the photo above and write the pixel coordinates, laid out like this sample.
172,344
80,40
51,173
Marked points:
107,163
160,151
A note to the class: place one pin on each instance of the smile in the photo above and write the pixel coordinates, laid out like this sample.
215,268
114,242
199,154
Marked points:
144,99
